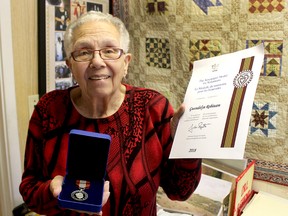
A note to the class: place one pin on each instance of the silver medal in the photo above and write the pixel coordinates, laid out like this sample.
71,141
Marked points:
79,195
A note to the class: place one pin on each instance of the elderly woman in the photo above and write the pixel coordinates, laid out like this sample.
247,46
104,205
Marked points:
139,121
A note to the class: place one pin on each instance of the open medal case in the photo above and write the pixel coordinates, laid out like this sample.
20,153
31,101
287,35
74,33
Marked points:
83,184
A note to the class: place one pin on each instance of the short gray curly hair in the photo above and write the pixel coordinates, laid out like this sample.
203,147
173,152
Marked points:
96,16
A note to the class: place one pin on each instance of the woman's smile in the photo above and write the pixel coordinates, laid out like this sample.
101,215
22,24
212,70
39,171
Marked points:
99,77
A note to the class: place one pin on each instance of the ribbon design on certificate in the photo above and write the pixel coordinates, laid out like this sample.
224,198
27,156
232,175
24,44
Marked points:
240,82
81,195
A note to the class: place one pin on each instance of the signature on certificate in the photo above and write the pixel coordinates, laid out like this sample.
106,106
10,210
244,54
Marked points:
199,126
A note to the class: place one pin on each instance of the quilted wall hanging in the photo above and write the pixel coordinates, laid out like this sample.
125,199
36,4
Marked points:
167,36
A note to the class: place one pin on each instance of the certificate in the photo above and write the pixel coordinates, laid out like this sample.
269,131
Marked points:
218,105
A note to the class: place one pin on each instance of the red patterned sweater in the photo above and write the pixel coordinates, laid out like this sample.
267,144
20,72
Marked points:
138,160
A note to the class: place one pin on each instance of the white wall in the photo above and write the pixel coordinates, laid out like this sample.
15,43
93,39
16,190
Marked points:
10,164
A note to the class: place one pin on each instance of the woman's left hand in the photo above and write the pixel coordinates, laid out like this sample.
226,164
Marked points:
106,194
175,119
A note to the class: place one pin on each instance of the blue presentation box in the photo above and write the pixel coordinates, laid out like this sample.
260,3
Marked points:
83,184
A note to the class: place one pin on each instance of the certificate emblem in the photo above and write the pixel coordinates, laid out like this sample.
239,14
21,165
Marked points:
79,195
243,78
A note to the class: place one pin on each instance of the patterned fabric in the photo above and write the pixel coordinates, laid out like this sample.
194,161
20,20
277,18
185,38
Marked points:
156,6
198,29
138,159
201,49
273,56
265,6
158,53
120,8
263,119
204,5
271,172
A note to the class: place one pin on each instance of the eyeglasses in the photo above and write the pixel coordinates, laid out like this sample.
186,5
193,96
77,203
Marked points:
109,53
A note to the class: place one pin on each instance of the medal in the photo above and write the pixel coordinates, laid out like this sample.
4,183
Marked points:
81,195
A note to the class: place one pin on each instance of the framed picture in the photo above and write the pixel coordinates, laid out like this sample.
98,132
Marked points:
53,18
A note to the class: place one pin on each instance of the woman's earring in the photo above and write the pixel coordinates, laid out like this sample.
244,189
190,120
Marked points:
124,77
74,82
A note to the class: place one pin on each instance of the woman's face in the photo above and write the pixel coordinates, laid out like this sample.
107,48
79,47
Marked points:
98,77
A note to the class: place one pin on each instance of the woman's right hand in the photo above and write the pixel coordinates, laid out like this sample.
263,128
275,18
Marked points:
56,185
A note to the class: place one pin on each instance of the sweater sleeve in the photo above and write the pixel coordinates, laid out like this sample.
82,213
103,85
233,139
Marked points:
36,179
35,183
179,177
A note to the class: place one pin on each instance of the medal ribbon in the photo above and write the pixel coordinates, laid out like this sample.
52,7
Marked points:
232,121
83,184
